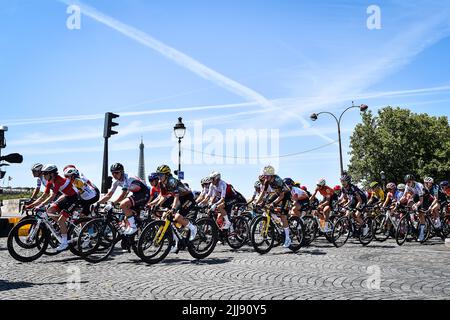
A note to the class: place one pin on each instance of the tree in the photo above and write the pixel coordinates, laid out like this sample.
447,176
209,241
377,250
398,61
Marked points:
399,142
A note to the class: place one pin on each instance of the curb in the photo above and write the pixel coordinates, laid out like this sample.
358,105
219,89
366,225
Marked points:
6,224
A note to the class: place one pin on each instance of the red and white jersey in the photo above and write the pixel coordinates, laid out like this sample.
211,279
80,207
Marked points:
222,190
60,184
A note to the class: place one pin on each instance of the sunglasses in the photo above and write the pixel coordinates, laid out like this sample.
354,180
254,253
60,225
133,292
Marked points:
116,172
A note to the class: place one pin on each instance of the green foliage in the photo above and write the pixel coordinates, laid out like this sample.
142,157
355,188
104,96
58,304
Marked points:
399,142
15,196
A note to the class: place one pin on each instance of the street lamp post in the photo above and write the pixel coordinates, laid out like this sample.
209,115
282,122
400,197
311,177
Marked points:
383,179
315,116
179,130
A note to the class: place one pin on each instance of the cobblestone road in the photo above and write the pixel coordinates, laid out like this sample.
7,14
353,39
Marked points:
321,271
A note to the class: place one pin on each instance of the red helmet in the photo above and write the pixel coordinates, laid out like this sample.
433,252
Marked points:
337,188
303,188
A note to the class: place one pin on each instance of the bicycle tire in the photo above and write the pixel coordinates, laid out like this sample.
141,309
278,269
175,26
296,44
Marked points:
269,238
41,241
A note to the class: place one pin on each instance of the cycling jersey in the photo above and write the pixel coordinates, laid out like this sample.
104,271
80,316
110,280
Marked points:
86,191
417,190
298,192
60,184
155,191
351,191
205,191
325,191
176,187
222,190
41,181
132,184
377,193
398,195
276,185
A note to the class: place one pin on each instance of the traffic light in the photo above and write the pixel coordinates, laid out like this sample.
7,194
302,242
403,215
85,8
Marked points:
109,117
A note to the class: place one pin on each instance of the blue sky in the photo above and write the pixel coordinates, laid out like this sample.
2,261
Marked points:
251,64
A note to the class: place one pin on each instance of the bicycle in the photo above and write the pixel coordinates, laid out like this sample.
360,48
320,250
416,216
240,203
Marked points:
408,228
99,236
158,237
386,224
267,231
238,233
347,226
38,232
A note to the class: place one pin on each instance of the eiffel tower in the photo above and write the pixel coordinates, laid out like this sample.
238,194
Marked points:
141,167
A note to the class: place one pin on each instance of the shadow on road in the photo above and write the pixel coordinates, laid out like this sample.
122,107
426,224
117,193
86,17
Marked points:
7,285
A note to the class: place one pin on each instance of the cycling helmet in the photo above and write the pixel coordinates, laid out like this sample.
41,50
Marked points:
401,186
373,184
49,168
164,169
444,184
257,184
214,175
117,167
428,180
346,178
205,180
304,188
69,172
409,177
337,188
321,183
289,182
268,171
37,167
152,176
391,186
68,166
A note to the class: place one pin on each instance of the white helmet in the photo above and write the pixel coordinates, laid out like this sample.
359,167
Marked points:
206,180
214,175
71,171
428,180
268,171
37,167
322,182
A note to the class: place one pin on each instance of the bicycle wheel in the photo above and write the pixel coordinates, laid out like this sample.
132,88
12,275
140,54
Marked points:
73,234
369,236
205,240
382,228
27,240
341,232
152,246
404,230
238,234
262,236
311,229
298,233
96,240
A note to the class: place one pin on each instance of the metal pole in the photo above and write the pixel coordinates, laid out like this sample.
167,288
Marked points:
340,148
105,167
179,157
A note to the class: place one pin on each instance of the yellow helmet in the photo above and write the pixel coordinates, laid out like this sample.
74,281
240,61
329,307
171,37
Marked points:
163,169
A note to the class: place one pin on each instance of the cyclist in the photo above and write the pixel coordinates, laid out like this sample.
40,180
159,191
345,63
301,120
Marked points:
205,182
128,203
37,173
282,196
376,194
414,197
223,196
299,198
88,193
432,194
328,197
61,205
353,198
391,196
183,201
